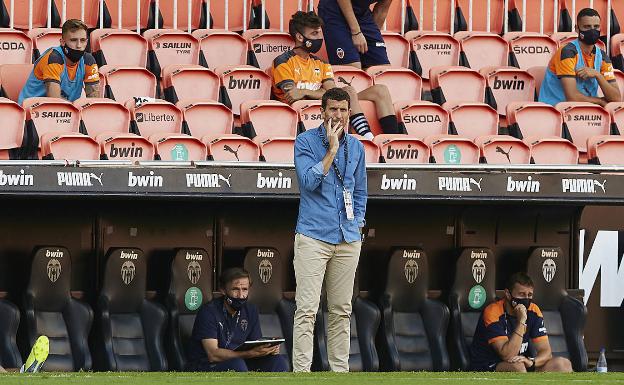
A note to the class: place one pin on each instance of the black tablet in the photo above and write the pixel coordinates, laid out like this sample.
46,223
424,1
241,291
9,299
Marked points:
247,345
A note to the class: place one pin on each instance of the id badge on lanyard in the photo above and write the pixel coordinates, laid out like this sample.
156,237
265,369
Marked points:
348,202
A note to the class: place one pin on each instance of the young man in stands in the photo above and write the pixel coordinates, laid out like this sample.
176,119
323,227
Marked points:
63,71
501,340
224,324
298,74
578,69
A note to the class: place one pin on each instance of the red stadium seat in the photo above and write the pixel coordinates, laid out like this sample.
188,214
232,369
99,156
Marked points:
617,51
206,117
277,150
125,147
403,84
118,47
440,20
552,14
39,14
351,76
606,149
530,49
16,47
266,45
552,150
507,85
233,148
472,120
370,112
534,119
598,5
452,149
69,146
121,83
128,14
456,84
402,149
563,38
479,14
12,79
232,18
169,46
398,49
73,9
422,119
431,49
221,48
619,79
44,38
178,147
584,120
503,149
241,83
273,12
482,49
371,150
309,112
538,74
155,117
12,117
616,111
268,119
101,115
166,12
184,81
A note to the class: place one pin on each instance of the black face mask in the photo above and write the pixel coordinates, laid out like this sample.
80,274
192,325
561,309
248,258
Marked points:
73,54
524,301
311,45
589,37
235,303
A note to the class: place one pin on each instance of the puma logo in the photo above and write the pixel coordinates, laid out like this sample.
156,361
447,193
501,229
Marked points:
229,149
506,153
343,80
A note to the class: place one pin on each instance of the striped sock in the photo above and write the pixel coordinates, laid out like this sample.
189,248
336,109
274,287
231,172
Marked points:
360,125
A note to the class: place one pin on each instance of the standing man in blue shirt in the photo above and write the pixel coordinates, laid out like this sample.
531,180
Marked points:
226,323
331,171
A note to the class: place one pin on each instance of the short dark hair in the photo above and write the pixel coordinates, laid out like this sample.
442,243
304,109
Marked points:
300,20
231,274
587,12
337,94
521,278
72,25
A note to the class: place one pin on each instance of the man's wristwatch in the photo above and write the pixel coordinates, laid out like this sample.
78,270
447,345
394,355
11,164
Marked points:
532,367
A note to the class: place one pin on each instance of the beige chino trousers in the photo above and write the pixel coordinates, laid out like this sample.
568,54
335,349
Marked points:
314,262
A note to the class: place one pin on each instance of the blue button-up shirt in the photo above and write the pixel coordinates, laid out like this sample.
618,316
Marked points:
322,213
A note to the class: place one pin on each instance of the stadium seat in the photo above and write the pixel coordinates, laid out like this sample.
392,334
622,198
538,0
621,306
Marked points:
605,149
132,327
351,76
69,146
583,120
309,112
473,288
616,111
452,149
265,45
268,273
413,328
529,49
555,16
121,83
73,10
480,16
436,16
9,321
50,310
275,18
232,148
402,149
552,150
619,80
166,9
617,51
190,286
601,7
154,117
129,14
12,79
564,315
482,49
533,119
17,48
44,38
242,83
268,119
422,119
503,149
230,46
127,146
403,83
186,81
205,117
39,15
276,149
506,85
370,112
169,46
12,118
397,48
233,18
563,38
456,84
101,115
471,120
538,74
395,22
118,47
371,150
431,49
178,147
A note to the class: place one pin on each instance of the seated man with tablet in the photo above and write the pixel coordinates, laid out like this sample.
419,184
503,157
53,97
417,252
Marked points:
224,325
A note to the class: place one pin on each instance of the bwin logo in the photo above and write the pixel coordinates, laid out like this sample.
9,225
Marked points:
404,183
402,153
265,270
274,182
244,84
54,269
128,271
194,272
478,270
411,270
528,185
549,268
509,84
